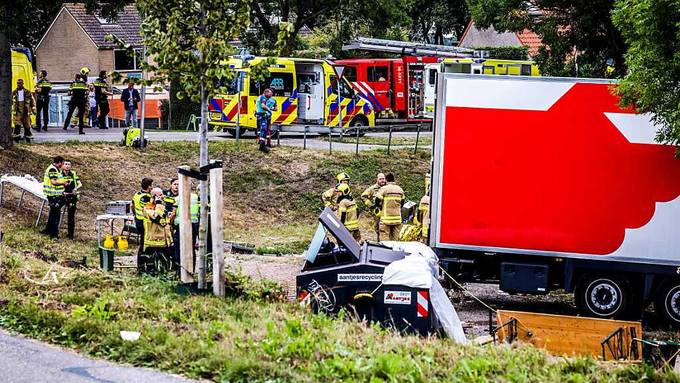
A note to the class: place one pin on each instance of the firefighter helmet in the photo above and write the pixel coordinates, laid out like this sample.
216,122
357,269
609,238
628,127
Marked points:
343,189
85,71
342,177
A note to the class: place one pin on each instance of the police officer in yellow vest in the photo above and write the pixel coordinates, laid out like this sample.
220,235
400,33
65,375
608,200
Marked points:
389,199
368,196
139,200
71,196
53,188
42,89
329,196
347,211
157,236
78,92
22,107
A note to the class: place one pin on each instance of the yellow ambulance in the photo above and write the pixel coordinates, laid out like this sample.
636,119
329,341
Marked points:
22,69
306,93
472,66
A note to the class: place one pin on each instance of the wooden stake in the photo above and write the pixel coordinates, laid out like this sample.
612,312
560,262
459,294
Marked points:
186,254
216,202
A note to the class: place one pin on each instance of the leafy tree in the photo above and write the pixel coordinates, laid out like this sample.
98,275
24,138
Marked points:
432,19
189,41
579,35
651,28
332,23
24,22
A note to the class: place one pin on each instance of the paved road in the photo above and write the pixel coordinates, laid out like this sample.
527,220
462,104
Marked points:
288,139
27,361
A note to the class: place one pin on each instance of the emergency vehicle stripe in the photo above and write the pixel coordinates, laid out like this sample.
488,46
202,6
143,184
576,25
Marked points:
233,110
216,105
368,94
422,305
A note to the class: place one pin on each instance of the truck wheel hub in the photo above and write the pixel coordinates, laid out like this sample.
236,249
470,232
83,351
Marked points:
604,297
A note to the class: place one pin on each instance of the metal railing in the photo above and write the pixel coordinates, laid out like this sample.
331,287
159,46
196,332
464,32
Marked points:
336,135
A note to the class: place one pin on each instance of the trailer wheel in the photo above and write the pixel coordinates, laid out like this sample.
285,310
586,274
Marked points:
667,303
602,296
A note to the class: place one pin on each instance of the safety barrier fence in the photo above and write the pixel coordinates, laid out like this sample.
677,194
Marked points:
335,135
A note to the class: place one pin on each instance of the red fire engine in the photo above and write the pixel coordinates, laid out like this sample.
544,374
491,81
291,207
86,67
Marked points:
393,86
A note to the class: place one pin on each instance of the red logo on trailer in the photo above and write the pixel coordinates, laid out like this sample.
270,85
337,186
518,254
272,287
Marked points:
552,179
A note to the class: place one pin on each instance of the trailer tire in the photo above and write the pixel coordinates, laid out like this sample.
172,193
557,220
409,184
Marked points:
667,302
602,296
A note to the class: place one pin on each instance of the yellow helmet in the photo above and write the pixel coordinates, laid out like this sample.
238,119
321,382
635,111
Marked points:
85,71
342,177
343,189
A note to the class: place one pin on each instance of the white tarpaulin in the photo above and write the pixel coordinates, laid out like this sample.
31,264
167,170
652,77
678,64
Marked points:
420,270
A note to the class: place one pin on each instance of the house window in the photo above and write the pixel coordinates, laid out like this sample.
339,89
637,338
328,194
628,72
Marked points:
377,73
103,20
123,61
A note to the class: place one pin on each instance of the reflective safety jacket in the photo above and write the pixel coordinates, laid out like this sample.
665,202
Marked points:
390,198
369,194
348,213
195,209
43,88
139,200
52,174
157,228
423,215
327,197
100,89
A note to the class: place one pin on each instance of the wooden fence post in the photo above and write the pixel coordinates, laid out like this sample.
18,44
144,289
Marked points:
216,222
186,246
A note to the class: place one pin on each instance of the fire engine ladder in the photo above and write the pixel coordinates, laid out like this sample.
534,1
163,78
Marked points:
406,48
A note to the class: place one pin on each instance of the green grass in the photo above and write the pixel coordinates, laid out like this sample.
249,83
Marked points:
277,193
250,336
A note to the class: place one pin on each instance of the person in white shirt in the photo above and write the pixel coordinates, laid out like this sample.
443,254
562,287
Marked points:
93,106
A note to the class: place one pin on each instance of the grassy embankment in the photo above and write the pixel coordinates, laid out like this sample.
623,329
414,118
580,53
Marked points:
250,336
271,201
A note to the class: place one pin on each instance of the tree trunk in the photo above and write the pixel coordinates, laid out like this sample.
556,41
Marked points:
203,224
5,89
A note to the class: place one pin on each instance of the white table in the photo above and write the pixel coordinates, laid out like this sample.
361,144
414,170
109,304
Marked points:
30,185
111,218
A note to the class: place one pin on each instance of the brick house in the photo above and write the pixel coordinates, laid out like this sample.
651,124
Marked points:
76,39
474,37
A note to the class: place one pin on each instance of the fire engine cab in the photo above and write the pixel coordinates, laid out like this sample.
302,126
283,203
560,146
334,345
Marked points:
394,86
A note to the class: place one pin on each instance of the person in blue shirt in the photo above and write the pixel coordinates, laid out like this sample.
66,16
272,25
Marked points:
265,105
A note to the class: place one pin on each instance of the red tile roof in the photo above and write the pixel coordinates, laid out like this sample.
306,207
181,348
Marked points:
530,40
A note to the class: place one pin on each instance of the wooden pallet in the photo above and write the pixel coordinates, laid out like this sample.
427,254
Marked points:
571,336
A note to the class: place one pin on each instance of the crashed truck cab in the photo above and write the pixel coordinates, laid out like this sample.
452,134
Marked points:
340,273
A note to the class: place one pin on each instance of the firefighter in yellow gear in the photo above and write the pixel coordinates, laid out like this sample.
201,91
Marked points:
422,217
329,196
368,196
139,201
157,236
347,211
23,105
389,199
